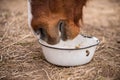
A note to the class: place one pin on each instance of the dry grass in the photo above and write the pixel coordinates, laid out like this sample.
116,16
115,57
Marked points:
21,56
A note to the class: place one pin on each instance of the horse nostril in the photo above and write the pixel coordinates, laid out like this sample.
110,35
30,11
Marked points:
42,33
62,28
61,25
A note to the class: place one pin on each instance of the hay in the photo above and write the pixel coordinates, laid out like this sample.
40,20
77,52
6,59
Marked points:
21,57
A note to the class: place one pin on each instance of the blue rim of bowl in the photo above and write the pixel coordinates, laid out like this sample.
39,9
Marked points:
75,48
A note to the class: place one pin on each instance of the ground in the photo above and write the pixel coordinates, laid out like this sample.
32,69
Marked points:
21,55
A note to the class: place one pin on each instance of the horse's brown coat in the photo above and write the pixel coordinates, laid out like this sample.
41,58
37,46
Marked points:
48,13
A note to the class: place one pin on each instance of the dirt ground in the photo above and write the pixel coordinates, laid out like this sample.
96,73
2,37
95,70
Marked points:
21,56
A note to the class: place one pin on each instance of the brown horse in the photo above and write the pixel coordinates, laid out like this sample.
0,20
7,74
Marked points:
55,19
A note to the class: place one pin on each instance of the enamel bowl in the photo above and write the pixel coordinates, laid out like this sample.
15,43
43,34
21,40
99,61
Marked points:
71,52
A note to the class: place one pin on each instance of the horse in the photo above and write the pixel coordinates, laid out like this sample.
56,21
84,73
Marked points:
52,20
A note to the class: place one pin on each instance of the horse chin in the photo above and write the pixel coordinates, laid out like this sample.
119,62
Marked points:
49,40
53,41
